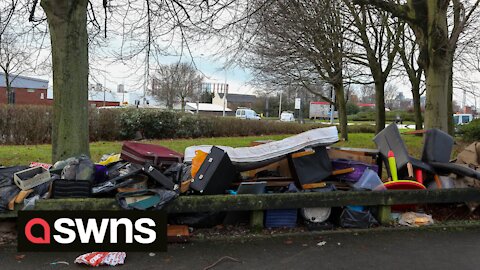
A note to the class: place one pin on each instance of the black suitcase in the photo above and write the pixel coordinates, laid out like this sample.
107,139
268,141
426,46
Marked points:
216,173
311,165
159,177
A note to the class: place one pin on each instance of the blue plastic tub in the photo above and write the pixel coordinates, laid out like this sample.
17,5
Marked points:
281,218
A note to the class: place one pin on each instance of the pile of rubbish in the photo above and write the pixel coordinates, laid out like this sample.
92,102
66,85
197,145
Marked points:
145,176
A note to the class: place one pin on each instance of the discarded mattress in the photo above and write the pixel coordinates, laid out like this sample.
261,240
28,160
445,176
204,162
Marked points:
247,158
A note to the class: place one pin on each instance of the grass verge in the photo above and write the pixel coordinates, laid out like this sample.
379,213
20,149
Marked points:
24,154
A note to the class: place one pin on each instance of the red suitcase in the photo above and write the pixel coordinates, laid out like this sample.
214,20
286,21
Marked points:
141,153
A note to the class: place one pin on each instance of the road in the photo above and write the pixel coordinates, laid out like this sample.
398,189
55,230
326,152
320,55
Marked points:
372,250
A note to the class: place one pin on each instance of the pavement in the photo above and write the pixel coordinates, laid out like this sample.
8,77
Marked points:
417,249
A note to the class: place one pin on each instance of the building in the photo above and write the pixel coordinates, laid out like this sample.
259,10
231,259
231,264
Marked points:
34,91
31,91
232,101
207,109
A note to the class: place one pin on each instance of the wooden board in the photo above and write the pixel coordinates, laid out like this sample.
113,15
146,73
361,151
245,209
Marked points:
178,233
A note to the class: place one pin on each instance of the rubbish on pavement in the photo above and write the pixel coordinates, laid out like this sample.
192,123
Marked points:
145,199
358,169
220,260
413,219
178,233
142,153
60,262
109,159
159,177
311,165
322,243
369,181
102,258
31,177
216,173
40,164
197,161
248,158
392,165
351,218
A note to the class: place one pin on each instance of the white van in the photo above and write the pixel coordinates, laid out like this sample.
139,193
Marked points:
287,116
247,114
461,119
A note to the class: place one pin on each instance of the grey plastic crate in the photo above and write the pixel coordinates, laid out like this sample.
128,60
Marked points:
31,177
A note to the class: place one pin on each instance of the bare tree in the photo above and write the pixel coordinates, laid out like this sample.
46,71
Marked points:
437,41
14,60
178,81
301,42
15,56
408,54
379,37
147,30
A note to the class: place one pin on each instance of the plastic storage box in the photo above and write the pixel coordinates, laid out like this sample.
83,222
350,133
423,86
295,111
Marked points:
281,218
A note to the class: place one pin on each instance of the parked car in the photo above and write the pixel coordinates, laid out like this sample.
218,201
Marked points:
461,119
287,116
248,114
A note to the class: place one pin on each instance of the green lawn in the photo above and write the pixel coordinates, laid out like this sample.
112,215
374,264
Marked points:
24,154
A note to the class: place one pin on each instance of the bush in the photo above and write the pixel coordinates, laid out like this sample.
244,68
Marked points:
390,116
25,124
32,125
471,131
352,108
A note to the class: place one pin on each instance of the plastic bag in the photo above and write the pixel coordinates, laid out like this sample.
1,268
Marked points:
197,161
413,219
357,219
102,258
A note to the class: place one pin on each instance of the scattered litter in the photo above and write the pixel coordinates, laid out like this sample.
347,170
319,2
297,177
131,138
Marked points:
102,258
60,262
151,254
339,244
288,242
220,260
321,244
413,219
19,257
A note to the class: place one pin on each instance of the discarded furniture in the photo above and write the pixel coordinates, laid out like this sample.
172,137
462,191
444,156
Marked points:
436,152
389,139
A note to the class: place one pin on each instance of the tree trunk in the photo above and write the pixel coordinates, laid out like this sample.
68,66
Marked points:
379,106
436,108
451,125
417,110
182,100
67,21
10,90
342,110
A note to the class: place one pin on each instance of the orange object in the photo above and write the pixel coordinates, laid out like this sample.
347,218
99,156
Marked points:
343,171
437,181
178,233
314,185
197,161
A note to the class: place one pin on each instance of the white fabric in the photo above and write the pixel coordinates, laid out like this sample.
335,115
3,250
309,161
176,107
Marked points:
311,138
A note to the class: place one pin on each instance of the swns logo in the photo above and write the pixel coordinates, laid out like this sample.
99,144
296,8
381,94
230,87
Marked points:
92,230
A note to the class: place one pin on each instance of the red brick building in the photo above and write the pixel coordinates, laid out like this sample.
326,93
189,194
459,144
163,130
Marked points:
33,91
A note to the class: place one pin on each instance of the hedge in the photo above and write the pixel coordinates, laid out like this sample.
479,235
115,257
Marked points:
471,131
389,116
32,125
